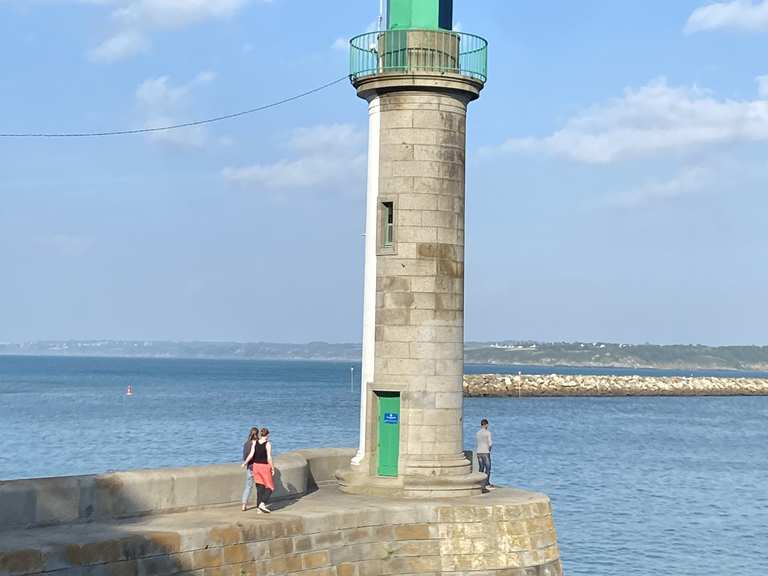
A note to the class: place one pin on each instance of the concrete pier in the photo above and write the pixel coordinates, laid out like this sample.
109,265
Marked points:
188,521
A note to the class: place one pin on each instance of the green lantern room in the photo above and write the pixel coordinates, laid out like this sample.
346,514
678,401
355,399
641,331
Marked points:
420,14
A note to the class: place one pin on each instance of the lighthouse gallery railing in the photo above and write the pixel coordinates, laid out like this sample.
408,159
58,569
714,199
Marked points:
404,51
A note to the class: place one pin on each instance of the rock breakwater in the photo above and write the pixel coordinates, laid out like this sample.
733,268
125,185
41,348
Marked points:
561,385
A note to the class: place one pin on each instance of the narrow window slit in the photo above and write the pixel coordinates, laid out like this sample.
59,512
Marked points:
388,214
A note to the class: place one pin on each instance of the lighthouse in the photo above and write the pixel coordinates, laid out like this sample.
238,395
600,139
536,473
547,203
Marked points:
418,77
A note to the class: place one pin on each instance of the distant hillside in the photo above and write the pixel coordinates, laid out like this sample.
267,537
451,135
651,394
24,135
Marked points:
223,350
682,357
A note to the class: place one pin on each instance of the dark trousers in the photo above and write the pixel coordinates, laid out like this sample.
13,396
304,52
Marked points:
263,494
484,466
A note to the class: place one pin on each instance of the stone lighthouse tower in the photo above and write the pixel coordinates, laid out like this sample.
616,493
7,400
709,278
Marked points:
418,77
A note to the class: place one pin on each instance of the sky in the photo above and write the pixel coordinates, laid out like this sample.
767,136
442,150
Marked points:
616,173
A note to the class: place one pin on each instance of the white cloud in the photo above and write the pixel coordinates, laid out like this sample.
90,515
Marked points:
137,19
189,137
304,172
326,155
175,13
122,45
341,139
655,119
341,44
160,94
737,14
691,179
762,86
162,103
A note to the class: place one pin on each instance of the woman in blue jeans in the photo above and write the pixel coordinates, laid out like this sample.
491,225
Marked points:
248,447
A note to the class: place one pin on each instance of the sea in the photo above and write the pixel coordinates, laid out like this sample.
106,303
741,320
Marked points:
639,486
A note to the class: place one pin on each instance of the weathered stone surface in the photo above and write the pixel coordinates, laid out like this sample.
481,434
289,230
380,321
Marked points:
51,501
325,532
518,385
417,346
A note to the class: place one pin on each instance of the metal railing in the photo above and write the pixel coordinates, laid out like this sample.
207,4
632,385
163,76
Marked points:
407,51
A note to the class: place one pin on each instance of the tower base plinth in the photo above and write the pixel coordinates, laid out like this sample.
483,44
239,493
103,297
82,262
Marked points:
354,481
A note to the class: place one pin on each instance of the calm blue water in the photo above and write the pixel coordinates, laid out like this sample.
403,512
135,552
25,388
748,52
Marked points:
639,486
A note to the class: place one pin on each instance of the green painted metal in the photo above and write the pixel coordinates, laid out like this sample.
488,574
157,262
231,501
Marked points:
405,51
406,14
398,14
424,14
389,433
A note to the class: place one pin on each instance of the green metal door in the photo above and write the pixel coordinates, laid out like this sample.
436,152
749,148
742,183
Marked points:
389,433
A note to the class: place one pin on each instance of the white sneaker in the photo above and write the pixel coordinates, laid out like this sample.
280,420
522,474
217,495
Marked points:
263,508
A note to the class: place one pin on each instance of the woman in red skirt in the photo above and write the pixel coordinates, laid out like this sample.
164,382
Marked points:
263,471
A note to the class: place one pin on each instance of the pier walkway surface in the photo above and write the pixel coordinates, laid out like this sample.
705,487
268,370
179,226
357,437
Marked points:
318,532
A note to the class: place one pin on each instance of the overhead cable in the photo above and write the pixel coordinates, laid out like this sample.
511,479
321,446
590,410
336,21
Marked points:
173,126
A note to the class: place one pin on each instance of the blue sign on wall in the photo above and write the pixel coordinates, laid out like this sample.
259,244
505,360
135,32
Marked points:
391,417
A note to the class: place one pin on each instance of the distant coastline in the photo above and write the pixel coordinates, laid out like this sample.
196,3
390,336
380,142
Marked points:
506,353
